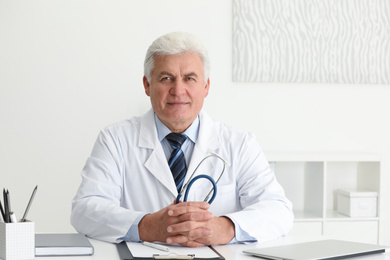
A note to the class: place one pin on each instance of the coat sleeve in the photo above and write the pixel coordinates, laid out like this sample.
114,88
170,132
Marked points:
266,212
96,210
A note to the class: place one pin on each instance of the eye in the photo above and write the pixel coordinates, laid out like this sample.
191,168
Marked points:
166,79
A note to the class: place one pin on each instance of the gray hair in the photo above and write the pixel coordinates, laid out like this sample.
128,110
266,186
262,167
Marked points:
176,43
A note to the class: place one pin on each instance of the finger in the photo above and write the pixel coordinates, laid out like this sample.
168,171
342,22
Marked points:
195,238
191,229
200,235
191,243
195,204
178,239
202,216
187,207
195,216
183,227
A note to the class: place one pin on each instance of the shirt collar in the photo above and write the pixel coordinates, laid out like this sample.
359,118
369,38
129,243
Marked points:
191,132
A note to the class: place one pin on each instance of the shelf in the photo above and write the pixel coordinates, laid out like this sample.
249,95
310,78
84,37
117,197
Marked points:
295,177
312,156
311,181
332,215
306,216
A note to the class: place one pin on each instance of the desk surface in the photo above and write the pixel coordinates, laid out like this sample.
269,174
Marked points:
104,251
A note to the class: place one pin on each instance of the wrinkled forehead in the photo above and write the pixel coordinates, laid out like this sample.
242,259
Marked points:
183,63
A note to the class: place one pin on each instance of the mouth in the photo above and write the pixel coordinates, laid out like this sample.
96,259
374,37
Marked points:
177,103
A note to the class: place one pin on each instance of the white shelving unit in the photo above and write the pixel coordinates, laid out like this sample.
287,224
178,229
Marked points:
311,181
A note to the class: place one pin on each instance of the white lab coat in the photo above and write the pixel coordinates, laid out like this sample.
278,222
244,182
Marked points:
128,174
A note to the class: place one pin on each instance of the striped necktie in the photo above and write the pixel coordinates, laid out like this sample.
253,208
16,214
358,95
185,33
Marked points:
177,162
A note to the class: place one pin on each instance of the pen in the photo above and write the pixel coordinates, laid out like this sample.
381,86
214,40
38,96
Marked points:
9,206
2,211
29,204
13,217
6,208
160,247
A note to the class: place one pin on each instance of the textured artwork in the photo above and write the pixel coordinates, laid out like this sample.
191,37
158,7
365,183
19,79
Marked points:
311,41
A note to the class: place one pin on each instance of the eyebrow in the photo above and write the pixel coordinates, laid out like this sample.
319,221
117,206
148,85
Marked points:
193,74
162,73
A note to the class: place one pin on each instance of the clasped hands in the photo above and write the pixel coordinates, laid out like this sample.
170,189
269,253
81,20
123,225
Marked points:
188,224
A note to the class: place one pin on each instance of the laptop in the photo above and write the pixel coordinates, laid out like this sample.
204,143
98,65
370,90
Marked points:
321,250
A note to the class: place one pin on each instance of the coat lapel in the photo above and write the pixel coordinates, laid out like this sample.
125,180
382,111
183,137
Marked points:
156,163
207,141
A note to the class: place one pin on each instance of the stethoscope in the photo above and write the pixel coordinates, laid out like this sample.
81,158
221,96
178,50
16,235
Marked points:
186,187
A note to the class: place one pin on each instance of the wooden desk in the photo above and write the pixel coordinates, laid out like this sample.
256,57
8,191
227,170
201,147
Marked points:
104,251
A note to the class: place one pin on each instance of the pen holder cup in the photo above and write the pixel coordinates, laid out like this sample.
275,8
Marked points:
17,240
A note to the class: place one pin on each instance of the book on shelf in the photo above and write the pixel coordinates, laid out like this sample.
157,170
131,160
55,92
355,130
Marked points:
66,244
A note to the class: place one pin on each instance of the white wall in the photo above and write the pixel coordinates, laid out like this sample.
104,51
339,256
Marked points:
69,68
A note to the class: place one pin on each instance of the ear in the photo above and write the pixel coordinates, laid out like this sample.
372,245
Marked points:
207,88
146,86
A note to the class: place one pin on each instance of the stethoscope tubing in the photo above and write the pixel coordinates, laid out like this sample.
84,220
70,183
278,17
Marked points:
188,185
192,182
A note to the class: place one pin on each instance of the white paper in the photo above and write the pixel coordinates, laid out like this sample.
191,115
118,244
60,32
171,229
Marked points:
140,250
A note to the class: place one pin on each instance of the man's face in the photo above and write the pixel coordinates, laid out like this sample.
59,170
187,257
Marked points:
177,89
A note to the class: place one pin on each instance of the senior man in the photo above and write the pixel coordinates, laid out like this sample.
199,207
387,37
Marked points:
138,166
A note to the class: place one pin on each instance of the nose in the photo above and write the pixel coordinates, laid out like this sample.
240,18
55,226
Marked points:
178,88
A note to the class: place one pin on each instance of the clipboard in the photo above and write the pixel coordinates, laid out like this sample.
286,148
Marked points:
125,254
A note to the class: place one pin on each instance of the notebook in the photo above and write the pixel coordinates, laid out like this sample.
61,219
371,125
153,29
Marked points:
62,245
323,249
